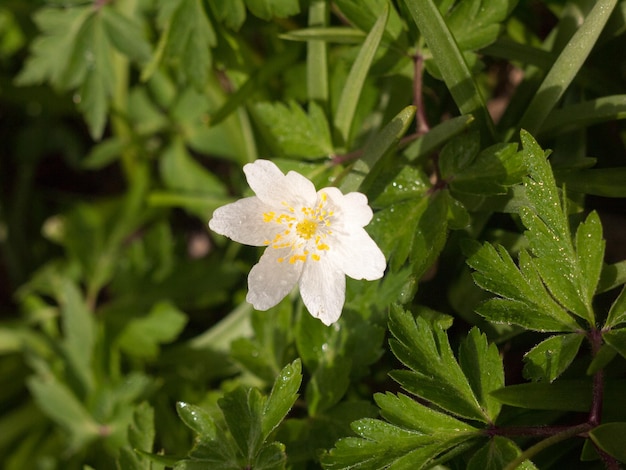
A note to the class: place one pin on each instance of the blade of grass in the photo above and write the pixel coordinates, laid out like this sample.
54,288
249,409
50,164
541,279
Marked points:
385,141
451,63
356,78
566,67
316,58
580,115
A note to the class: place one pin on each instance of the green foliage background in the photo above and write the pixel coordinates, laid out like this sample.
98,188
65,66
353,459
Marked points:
497,337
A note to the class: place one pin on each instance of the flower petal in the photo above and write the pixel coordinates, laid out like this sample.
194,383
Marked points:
323,290
353,207
273,187
270,281
242,221
357,255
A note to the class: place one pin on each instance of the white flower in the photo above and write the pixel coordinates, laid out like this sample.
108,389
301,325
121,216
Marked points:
314,239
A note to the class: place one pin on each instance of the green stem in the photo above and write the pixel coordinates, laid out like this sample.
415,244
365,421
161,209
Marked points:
119,101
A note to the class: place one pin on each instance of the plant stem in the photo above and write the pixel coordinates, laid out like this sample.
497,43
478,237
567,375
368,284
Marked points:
421,122
556,438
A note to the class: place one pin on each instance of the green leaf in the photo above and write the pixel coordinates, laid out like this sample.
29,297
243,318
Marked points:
142,336
458,154
492,171
181,172
450,62
267,9
198,420
335,34
79,330
351,92
185,42
126,34
366,169
232,13
617,313
364,13
566,66
415,435
587,113
63,407
610,438
495,454
421,228
523,299
590,253
617,340
550,358
140,437
408,413
605,182
482,365
328,385
437,136
51,52
550,241
282,397
564,395
435,375
243,409
293,132
476,24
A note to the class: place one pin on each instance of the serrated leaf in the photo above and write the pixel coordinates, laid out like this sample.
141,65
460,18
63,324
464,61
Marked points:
94,93
491,172
435,375
408,413
282,397
523,298
126,35
495,454
549,235
295,133
610,438
382,445
243,411
550,358
186,41
268,9
51,52
142,336
482,365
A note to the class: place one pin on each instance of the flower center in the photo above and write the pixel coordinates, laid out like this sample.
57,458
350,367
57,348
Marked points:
302,234
306,228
